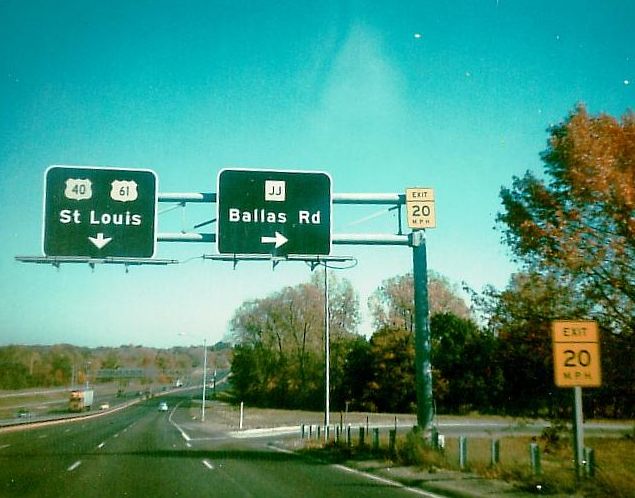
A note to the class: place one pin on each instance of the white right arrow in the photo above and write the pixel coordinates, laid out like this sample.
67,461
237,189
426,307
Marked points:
100,241
279,239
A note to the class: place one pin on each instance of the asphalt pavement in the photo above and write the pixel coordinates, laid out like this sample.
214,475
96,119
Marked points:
141,451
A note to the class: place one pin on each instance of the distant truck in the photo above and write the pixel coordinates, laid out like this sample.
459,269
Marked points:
80,400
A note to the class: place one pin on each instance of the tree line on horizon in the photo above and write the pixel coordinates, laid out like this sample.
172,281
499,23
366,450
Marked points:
65,365
571,229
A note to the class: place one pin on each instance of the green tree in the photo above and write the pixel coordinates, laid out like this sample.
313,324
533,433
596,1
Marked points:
13,374
392,388
62,368
354,377
466,374
521,317
255,375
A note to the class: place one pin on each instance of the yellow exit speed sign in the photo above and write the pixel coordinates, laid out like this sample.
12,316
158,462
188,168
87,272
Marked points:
576,353
420,208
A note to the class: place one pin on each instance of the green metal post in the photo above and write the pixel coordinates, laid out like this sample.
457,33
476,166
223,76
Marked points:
534,457
589,462
392,441
495,452
462,452
423,367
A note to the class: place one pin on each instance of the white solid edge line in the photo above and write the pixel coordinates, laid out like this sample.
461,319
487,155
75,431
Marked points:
390,482
178,427
383,480
74,466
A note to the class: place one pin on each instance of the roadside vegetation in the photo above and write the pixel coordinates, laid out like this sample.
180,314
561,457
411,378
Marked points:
614,477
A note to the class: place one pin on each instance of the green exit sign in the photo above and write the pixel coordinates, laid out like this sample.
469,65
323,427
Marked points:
99,212
274,212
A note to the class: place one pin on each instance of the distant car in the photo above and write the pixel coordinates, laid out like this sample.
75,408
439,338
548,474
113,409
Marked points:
23,413
163,406
104,406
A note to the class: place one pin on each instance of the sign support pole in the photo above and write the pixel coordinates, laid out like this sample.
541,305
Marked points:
576,362
423,367
578,433
327,354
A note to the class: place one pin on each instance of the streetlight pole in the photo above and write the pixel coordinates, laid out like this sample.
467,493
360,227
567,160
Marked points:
88,363
204,378
327,354
204,374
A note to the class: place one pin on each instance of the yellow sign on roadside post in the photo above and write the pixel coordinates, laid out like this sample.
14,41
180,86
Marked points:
420,208
576,353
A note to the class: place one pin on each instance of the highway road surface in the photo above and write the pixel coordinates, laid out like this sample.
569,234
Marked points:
142,452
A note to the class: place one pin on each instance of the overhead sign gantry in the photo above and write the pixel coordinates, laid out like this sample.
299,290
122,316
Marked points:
106,215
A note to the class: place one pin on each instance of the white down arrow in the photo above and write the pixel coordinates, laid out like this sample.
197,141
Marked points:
100,241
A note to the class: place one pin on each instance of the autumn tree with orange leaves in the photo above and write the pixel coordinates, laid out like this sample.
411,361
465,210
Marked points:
578,223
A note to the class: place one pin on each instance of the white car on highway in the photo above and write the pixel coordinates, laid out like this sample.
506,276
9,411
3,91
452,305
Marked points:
163,406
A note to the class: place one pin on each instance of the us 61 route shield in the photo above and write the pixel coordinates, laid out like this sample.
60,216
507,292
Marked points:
99,212
274,212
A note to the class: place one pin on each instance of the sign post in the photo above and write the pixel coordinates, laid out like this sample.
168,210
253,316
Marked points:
99,212
421,214
423,340
576,363
274,212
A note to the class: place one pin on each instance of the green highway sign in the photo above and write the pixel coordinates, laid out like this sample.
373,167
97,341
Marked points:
99,212
273,212
121,373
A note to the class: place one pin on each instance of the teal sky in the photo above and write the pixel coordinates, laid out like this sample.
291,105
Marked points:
382,95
